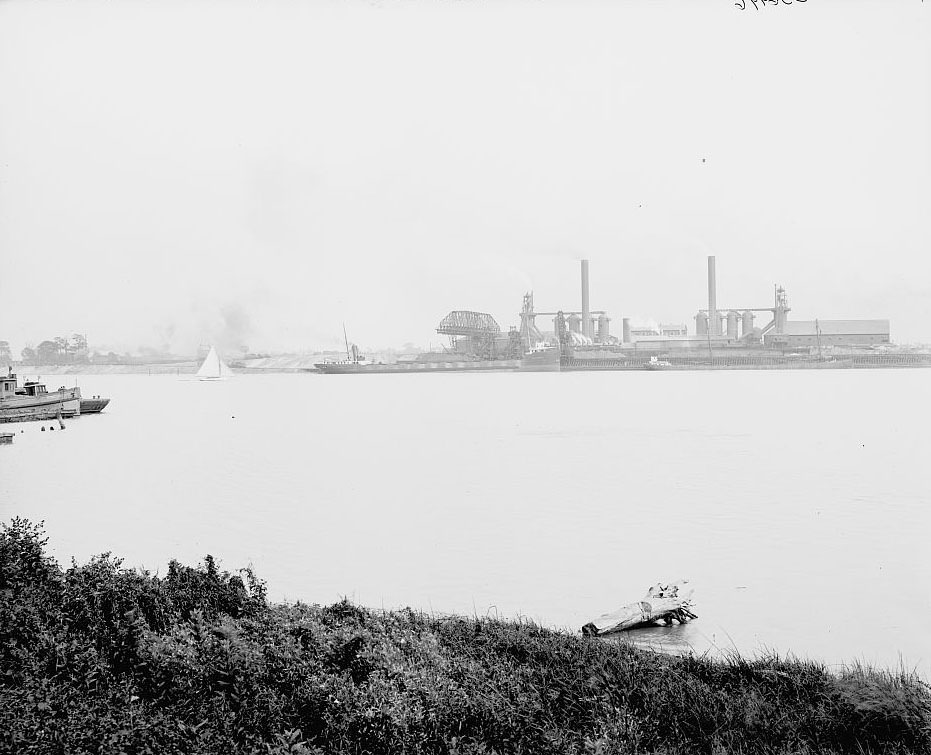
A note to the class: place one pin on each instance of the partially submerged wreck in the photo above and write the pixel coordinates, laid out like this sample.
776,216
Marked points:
663,603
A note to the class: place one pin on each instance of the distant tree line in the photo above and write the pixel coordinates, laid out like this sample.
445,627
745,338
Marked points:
74,350
58,350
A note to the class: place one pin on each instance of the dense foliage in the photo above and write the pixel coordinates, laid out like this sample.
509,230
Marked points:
58,350
98,658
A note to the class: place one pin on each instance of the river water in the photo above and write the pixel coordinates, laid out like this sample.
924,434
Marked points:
798,504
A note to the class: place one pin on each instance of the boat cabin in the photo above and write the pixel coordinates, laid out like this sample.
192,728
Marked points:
32,388
9,387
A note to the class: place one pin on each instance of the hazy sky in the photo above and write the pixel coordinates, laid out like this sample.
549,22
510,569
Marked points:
174,173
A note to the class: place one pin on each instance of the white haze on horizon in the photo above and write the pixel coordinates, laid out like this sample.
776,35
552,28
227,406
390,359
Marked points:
258,173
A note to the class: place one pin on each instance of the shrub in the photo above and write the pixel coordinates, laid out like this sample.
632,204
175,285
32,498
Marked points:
100,658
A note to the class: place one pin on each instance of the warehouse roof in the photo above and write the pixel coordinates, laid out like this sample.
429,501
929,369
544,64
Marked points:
836,327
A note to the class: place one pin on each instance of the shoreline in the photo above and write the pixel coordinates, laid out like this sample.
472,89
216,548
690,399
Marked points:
295,365
199,661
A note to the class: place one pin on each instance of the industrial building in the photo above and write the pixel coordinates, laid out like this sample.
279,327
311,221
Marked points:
735,325
585,327
730,330
662,330
822,333
720,331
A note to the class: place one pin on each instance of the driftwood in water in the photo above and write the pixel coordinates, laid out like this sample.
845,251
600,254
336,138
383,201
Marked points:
665,603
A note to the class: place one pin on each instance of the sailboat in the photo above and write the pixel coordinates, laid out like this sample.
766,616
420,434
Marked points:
214,368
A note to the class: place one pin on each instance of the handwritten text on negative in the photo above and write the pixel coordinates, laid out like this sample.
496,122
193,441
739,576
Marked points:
742,4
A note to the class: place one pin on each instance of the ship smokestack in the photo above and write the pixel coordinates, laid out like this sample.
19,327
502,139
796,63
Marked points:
586,309
714,323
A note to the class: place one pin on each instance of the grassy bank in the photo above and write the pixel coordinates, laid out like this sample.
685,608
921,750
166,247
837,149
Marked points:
99,658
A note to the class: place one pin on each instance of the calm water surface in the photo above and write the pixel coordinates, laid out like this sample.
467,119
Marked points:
797,503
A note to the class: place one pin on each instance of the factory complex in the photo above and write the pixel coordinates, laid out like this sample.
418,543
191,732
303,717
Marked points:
723,336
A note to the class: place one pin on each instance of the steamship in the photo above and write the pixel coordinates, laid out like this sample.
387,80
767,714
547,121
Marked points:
423,363
475,346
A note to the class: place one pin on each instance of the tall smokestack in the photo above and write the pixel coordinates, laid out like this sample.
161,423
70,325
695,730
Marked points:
586,309
714,323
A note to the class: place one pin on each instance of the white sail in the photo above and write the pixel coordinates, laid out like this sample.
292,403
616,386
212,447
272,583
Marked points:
213,367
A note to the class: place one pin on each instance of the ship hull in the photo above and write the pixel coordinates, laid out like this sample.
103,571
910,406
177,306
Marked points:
490,365
575,363
551,361
93,405
541,361
65,402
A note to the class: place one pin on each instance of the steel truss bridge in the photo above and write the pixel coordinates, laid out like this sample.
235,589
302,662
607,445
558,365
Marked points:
462,322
